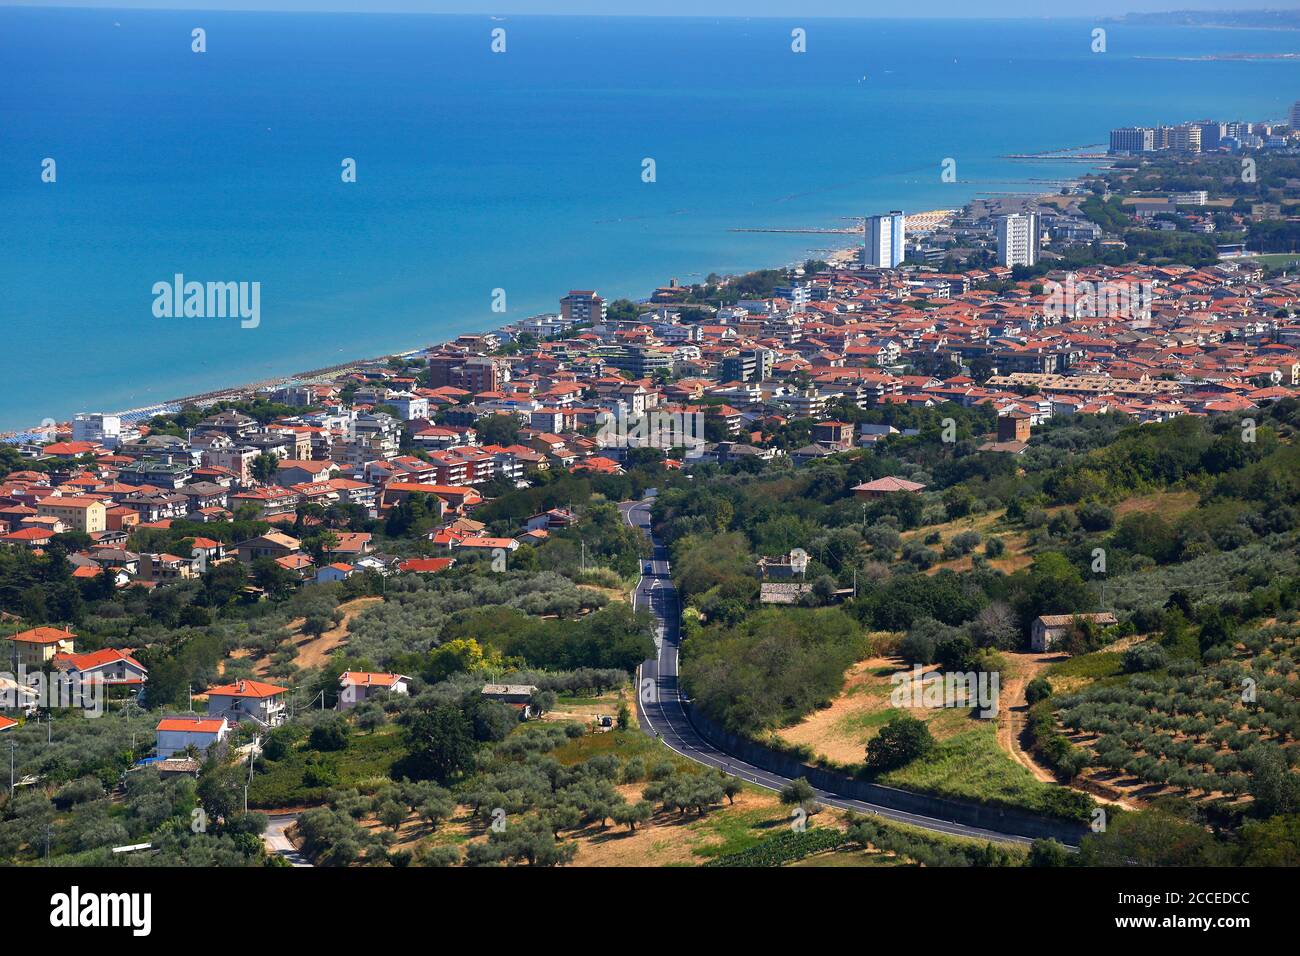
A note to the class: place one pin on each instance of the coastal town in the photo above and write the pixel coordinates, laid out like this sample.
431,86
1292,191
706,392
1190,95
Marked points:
898,457
902,320
1175,341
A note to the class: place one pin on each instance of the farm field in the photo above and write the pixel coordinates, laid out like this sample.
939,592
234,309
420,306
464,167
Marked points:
967,763
668,838
1199,733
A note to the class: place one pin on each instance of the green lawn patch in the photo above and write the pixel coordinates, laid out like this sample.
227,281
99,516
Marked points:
971,766
1093,666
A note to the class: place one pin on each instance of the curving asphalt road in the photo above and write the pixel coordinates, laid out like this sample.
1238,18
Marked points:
663,715
278,842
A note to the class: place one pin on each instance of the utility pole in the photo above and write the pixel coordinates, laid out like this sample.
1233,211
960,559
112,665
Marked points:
250,774
13,747
584,554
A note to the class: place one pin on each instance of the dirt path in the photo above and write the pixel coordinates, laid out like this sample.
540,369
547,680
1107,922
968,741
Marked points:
1013,711
311,651
314,651
840,731
1013,717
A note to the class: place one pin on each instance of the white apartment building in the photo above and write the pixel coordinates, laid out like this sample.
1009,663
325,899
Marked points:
97,427
884,238
1018,239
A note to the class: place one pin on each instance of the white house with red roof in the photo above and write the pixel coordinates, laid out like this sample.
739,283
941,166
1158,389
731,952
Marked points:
252,700
110,667
177,734
293,471
356,687
332,573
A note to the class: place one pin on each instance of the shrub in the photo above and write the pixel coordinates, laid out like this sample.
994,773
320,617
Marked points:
900,741
329,735
1040,688
1146,656
1094,516
921,645
954,652
77,791
1062,524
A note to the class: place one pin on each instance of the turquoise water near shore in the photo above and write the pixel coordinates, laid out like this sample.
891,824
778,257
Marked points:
478,171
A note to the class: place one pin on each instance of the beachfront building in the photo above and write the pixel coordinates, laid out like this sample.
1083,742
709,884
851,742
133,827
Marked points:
1133,139
98,428
884,240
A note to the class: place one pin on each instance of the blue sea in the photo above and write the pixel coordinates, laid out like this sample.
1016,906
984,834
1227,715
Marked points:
478,171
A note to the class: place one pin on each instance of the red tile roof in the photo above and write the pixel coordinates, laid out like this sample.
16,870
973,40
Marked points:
191,725
247,688
44,635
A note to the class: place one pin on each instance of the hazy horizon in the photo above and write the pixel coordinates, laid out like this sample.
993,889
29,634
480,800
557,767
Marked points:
849,9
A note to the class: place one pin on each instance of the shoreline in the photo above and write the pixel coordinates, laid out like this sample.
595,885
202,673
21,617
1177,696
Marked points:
202,399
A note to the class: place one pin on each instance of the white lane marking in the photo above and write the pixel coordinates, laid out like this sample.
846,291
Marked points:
719,760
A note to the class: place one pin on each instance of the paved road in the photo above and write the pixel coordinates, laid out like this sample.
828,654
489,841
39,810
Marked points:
278,843
664,715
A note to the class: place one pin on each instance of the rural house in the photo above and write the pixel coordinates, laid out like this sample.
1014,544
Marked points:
356,687
248,700
1050,628
176,734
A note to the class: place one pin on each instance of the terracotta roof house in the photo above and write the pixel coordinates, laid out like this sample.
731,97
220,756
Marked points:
355,687
253,700
111,667
886,486
425,565
39,645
